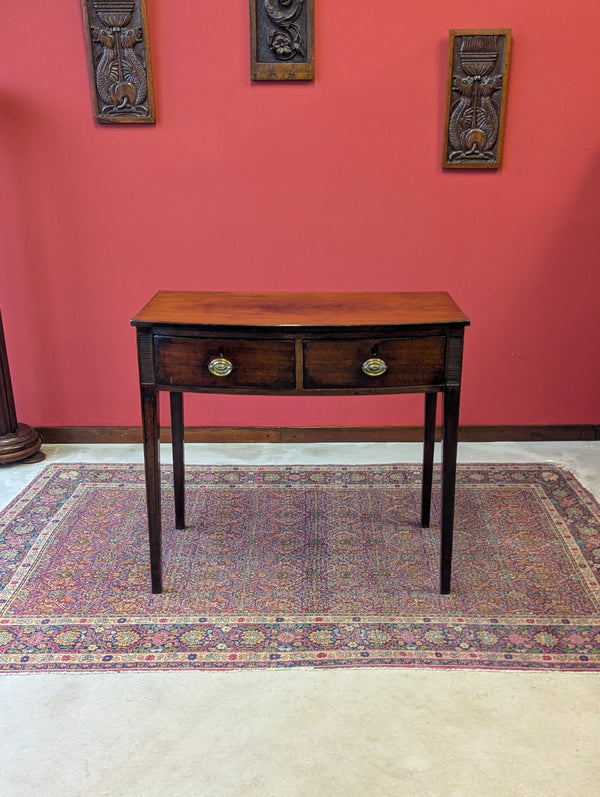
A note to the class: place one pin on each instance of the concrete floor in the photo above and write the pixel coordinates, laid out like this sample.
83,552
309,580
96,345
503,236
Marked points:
417,733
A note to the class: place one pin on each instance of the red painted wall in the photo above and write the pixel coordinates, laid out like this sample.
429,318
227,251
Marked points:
332,185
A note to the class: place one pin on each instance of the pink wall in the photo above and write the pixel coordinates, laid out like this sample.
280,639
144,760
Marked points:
332,185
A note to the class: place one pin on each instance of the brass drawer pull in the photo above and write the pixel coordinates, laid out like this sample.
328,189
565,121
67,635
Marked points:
220,366
374,366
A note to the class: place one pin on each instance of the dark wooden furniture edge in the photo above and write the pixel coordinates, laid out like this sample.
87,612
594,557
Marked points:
18,442
309,434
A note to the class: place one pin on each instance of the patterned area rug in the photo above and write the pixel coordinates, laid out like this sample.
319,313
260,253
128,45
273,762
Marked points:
300,566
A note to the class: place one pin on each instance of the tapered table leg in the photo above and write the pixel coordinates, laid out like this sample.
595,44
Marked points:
178,463
428,451
449,450
151,433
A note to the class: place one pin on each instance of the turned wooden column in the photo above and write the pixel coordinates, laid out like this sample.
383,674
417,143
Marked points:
17,440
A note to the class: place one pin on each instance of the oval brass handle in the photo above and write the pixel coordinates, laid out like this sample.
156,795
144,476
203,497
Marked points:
374,366
220,366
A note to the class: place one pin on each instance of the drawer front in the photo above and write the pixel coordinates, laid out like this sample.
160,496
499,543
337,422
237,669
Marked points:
409,362
256,364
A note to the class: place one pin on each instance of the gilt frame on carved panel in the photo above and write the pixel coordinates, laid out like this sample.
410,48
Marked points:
478,65
118,49
282,39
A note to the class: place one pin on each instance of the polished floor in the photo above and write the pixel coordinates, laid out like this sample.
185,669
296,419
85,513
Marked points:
417,733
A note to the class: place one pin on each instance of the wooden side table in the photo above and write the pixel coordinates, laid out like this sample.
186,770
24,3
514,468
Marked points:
299,344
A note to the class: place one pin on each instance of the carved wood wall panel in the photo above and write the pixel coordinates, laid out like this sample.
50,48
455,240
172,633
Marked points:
476,98
282,35
116,33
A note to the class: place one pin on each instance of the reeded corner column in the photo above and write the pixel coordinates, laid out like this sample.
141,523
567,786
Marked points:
17,440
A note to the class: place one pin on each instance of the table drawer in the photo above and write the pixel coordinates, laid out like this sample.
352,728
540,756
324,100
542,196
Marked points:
408,362
255,364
